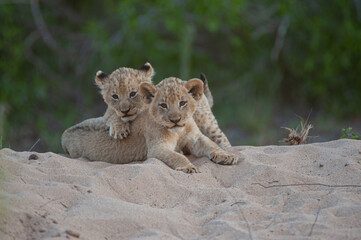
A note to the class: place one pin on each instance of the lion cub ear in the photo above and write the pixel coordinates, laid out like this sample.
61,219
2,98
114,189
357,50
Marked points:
195,88
101,78
147,90
147,69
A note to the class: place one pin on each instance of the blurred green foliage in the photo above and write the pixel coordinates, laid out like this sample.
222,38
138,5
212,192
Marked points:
261,57
348,133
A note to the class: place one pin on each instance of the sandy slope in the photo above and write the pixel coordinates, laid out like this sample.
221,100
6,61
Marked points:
278,192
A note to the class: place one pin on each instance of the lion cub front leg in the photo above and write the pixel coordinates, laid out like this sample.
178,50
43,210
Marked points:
203,146
173,159
117,128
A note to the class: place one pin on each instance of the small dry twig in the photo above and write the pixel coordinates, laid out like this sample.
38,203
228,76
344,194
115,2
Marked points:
32,147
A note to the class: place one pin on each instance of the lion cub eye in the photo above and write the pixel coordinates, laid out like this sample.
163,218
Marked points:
132,94
163,105
115,96
182,103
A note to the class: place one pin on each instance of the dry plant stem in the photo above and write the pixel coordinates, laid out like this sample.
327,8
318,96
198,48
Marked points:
297,138
32,147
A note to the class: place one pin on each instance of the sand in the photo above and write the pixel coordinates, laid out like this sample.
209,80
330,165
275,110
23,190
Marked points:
278,192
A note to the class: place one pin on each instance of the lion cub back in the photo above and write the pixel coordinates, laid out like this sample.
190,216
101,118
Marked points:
90,139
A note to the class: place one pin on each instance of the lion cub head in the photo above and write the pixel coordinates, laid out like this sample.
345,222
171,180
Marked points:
120,89
172,101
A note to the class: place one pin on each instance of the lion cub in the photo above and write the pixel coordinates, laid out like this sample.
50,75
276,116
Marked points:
120,93
161,131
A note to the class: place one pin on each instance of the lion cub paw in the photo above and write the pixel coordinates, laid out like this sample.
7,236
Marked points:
119,130
224,158
190,168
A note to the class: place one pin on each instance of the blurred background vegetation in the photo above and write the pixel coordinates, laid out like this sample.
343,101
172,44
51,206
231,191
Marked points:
266,62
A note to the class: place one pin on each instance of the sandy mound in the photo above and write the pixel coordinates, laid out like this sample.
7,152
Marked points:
278,192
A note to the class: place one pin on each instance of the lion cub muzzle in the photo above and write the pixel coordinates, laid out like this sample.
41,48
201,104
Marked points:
128,115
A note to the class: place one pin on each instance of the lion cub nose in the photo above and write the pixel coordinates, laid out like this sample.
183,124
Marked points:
175,120
125,112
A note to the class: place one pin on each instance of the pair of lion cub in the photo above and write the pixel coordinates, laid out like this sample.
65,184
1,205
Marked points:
144,121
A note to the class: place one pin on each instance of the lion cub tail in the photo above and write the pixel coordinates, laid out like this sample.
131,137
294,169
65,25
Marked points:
206,90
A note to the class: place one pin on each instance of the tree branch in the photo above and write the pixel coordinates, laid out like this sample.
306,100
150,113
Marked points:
280,38
41,26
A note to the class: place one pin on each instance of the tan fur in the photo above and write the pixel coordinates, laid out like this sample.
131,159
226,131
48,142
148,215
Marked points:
153,132
122,83
125,80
